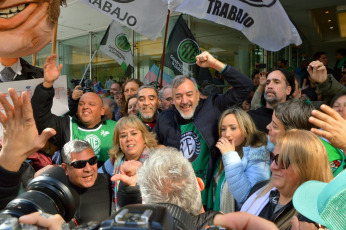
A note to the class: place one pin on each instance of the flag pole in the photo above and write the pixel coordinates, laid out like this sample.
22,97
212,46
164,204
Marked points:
92,58
164,48
34,59
54,37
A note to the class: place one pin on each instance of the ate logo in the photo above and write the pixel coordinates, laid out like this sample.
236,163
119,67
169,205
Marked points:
123,1
94,141
260,3
187,51
122,43
190,145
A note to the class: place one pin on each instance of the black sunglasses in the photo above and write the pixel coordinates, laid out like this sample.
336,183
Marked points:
276,159
82,163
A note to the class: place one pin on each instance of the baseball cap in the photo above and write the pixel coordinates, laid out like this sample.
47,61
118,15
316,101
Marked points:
323,203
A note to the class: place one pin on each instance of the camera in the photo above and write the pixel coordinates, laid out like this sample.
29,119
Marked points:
87,85
48,193
149,216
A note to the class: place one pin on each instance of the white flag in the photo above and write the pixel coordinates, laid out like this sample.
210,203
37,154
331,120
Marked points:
115,44
263,22
146,17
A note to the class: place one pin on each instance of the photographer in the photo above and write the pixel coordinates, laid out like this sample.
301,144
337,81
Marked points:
88,124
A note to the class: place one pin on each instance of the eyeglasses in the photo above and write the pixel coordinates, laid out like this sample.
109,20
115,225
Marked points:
82,163
276,159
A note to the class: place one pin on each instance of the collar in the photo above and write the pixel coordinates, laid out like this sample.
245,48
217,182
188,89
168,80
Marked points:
16,67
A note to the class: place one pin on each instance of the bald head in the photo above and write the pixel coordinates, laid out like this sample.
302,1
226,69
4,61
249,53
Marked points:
90,109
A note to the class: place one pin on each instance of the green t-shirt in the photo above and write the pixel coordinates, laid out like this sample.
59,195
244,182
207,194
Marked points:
336,158
195,149
100,139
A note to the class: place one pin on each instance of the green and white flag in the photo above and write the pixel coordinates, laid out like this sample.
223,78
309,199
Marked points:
146,17
115,44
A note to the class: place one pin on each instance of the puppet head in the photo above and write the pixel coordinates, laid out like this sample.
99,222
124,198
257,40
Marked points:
26,26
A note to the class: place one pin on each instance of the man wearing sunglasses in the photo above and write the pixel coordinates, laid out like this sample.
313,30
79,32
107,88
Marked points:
80,164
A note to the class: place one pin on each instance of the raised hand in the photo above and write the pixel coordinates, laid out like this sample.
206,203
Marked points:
20,135
51,71
333,126
206,60
317,71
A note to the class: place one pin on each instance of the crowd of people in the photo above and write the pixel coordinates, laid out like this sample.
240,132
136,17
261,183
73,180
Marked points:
254,148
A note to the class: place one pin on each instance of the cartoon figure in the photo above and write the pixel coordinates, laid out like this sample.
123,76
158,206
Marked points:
26,26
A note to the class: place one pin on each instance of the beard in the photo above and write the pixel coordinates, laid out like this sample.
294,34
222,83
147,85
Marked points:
272,100
187,116
149,117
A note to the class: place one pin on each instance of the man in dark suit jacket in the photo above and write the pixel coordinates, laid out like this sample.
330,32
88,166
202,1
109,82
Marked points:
22,70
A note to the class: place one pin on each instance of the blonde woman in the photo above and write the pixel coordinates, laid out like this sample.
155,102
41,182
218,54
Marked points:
244,156
299,156
131,141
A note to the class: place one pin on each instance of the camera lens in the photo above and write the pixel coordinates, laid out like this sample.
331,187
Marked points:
48,193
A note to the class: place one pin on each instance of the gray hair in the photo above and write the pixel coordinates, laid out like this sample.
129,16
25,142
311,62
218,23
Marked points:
168,177
74,146
148,87
163,90
180,79
294,114
108,102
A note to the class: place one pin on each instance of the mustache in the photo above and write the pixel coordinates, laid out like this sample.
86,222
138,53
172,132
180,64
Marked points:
270,91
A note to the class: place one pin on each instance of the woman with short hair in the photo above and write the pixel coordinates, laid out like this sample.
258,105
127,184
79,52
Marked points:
131,141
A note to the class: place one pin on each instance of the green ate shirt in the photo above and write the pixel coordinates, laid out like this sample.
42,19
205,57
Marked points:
196,150
100,138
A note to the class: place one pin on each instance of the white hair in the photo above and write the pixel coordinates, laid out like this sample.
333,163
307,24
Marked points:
73,146
168,177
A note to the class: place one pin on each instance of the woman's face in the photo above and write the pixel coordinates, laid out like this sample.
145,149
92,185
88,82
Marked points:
340,105
130,89
132,107
230,129
285,180
131,143
276,127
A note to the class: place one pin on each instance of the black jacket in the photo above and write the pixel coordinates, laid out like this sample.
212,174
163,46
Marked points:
28,71
9,185
206,116
42,102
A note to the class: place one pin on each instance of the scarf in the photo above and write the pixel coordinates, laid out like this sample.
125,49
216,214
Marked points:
255,204
119,161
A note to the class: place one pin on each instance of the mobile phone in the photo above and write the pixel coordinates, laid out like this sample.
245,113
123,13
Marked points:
262,66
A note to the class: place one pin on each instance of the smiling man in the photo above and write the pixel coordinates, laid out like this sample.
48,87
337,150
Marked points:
26,26
148,103
89,124
94,190
191,125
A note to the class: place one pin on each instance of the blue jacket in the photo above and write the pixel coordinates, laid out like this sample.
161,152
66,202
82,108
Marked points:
206,116
242,174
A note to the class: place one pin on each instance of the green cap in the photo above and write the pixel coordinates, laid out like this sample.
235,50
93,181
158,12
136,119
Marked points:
323,203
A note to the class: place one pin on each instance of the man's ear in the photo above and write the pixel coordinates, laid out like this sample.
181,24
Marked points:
200,183
64,166
288,90
102,111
